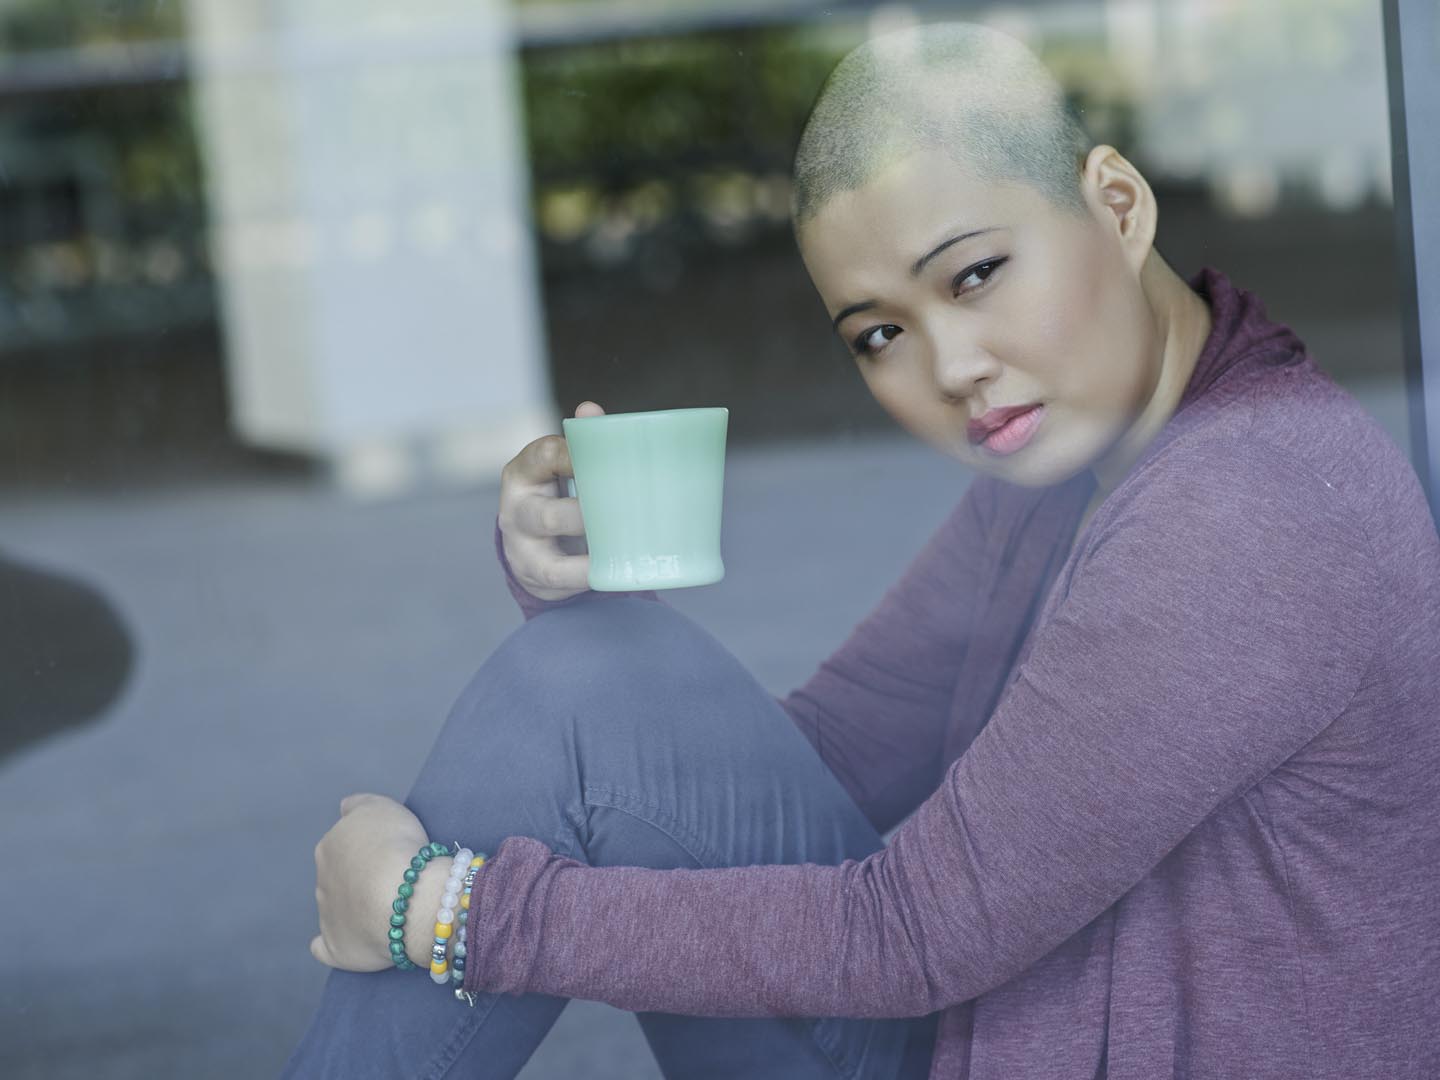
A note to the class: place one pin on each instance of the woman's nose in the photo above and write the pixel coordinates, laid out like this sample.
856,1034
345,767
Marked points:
958,368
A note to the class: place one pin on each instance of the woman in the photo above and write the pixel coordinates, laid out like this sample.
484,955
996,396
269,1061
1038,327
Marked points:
1155,710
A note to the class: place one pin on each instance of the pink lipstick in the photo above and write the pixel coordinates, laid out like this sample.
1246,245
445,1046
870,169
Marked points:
1014,432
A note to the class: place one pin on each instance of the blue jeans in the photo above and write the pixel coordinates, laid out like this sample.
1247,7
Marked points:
619,733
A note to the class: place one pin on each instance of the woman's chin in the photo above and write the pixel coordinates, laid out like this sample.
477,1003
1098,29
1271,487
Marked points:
1040,468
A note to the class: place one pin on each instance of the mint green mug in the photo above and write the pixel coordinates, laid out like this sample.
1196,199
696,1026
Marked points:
650,487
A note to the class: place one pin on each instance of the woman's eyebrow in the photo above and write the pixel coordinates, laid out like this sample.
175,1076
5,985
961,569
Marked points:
852,309
866,305
951,242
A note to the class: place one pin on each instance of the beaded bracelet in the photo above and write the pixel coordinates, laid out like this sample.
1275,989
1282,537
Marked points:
445,917
402,903
457,964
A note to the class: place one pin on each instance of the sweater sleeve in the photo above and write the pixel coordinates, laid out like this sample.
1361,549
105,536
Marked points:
877,709
1222,613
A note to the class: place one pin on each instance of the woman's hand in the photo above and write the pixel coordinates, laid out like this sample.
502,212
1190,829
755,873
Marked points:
535,516
359,865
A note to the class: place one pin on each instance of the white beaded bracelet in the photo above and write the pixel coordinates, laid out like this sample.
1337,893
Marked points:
457,965
445,917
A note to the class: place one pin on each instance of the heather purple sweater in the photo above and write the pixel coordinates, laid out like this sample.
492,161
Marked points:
1175,794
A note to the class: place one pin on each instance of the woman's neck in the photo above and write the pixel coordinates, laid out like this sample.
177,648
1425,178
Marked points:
1183,323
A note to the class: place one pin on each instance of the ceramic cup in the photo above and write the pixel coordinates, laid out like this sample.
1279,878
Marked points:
650,486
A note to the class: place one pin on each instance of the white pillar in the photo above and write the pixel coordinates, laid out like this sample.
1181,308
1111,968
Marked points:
370,213
1132,40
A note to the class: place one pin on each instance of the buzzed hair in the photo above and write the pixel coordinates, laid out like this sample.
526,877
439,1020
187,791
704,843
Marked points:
975,94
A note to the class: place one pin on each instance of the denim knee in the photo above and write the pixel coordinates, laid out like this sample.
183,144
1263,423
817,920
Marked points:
615,665
607,645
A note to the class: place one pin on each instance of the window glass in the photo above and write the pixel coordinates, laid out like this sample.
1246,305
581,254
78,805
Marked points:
285,283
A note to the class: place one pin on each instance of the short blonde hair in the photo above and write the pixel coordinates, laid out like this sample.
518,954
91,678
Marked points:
978,95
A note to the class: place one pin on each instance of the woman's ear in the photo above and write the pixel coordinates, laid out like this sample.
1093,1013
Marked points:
1121,198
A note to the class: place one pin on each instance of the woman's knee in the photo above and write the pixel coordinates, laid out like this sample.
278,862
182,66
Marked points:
626,675
607,667
623,648
608,693
614,632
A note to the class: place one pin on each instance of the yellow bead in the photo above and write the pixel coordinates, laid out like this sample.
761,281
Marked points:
465,901
444,930
478,860
438,969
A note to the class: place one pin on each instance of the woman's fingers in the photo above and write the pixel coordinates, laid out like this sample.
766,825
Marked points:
552,576
545,516
350,802
539,524
530,473
543,569
539,463
321,951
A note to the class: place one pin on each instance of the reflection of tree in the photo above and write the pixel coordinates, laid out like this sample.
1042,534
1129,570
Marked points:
741,94
58,24
1096,87
642,148
148,132
103,189
684,135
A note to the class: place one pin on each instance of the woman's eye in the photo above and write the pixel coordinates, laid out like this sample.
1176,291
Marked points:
980,272
874,339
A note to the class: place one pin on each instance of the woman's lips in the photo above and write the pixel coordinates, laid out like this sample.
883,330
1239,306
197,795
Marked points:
1014,433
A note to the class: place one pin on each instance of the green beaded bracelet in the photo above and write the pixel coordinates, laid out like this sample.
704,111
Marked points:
396,929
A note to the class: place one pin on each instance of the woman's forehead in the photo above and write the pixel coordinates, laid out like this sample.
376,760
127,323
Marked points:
898,215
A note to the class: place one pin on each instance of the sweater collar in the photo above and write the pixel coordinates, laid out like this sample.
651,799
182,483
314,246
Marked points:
1241,331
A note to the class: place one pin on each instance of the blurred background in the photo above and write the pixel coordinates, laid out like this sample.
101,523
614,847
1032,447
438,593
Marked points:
283,283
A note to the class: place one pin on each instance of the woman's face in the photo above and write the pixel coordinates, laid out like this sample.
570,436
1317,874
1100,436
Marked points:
1036,306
